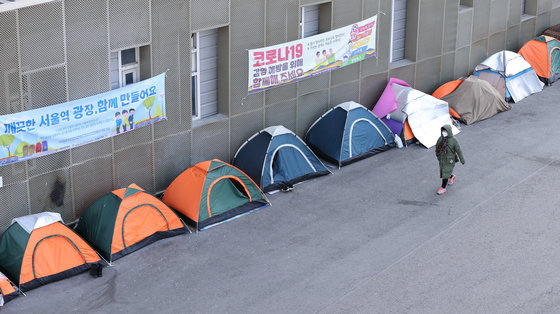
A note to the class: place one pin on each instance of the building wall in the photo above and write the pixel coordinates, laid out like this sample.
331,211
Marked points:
61,50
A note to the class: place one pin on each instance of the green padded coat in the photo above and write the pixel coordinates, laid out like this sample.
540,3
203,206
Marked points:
450,156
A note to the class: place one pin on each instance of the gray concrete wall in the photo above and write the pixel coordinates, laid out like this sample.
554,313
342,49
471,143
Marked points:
60,51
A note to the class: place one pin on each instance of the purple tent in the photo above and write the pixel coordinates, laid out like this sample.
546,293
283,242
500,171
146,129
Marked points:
395,126
387,103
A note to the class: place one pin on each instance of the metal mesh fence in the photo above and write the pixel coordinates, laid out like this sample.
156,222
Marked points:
243,126
347,73
92,150
283,113
86,38
129,22
41,35
171,53
64,51
134,165
310,107
13,173
91,180
52,192
131,138
15,203
277,22
346,12
207,14
314,84
345,92
48,163
173,156
211,141
281,93
45,87
9,67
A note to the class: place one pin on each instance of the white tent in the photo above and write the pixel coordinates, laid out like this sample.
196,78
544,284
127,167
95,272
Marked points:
426,114
510,74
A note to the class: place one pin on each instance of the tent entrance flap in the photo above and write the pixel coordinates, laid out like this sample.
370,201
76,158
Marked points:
67,255
555,60
284,162
142,217
223,195
362,136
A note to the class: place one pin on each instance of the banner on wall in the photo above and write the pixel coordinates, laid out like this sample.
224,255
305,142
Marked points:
43,131
297,60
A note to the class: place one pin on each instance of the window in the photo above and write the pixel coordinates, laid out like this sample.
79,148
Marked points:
204,67
315,19
529,8
398,33
129,66
309,21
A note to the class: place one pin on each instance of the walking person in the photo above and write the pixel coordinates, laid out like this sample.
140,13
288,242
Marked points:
448,152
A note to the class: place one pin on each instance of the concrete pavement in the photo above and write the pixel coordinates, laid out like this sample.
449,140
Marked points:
371,238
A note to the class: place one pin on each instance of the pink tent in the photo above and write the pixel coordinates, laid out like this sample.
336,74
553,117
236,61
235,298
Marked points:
387,103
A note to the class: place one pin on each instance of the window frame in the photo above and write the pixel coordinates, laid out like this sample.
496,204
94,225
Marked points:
195,60
133,67
302,21
391,41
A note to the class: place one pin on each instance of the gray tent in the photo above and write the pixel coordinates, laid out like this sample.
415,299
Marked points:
475,99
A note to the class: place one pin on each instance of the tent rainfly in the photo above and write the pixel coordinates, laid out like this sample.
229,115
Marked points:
8,291
126,220
275,157
475,100
347,133
425,114
510,74
212,192
38,249
543,54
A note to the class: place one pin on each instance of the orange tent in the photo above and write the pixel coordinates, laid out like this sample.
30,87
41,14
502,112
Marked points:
38,249
7,290
543,54
126,220
213,191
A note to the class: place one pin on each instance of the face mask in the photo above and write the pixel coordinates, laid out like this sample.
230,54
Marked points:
444,133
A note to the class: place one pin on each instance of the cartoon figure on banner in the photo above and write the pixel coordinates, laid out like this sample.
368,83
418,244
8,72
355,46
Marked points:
322,59
118,121
38,147
332,57
125,119
354,32
348,52
318,59
131,118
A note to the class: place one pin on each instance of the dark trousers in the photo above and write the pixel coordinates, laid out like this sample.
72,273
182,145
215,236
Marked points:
444,182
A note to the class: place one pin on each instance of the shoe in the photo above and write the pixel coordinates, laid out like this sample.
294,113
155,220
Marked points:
287,188
451,180
441,191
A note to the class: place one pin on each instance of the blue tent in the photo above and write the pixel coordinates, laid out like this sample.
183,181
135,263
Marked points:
275,157
347,133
